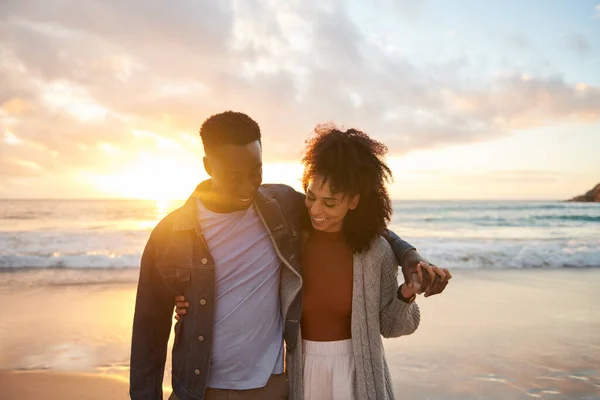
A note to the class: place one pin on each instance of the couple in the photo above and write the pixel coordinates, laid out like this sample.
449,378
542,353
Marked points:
260,266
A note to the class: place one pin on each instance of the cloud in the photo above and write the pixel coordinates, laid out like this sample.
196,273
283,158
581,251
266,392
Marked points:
79,79
407,9
499,176
519,41
597,10
521,102
578,43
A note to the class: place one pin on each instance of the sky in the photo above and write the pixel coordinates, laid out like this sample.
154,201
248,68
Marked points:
475,100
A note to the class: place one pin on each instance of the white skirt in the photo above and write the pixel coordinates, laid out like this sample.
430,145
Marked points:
328,370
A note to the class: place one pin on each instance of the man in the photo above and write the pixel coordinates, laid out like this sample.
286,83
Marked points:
232,250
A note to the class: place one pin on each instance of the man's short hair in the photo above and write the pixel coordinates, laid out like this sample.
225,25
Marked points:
229,127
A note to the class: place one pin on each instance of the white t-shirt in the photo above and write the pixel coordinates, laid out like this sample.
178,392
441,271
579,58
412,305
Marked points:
248,335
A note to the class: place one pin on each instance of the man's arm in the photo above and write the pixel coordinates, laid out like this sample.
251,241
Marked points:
151,327
434,280
402,249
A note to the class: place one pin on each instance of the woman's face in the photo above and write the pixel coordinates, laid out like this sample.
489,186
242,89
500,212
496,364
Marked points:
327,211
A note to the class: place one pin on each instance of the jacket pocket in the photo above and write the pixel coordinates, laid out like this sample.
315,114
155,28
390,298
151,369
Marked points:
175,277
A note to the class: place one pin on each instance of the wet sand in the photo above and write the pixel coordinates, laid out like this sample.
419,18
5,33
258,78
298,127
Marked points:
505,334
60,385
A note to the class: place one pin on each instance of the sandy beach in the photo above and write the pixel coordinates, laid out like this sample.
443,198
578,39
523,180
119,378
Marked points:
61,385
505,334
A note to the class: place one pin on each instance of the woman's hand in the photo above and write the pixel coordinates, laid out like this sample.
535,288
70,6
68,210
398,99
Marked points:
413,287
181,307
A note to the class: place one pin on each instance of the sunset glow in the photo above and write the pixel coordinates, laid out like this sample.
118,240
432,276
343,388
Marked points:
475,101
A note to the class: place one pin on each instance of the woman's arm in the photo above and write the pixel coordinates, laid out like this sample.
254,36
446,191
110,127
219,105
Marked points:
396,317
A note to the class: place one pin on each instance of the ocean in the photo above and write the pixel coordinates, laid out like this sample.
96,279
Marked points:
88,234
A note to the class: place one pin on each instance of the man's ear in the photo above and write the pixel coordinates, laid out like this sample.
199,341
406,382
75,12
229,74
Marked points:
354,202
207,166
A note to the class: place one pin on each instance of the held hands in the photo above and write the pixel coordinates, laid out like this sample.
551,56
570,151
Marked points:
413,288
422,277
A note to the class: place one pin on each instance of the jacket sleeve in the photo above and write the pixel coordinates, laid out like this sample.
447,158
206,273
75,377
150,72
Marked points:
301,210
399,246
151,328
396,318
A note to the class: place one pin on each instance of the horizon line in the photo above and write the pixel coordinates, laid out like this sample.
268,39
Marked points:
184,199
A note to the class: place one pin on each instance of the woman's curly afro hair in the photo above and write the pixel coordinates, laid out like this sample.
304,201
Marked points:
353,164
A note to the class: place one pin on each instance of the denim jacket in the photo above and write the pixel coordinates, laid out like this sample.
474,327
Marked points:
177,261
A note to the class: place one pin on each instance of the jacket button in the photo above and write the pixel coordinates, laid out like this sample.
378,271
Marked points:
204,261
202,302
201,338
197,371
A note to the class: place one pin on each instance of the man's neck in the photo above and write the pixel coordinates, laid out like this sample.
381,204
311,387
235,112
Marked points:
215,203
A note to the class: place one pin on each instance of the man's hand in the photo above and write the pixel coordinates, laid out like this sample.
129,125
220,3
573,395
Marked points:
181,306
433,279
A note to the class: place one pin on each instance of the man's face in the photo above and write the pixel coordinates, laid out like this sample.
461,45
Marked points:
236,174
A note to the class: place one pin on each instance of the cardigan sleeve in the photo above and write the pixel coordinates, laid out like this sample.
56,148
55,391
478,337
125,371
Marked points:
396,318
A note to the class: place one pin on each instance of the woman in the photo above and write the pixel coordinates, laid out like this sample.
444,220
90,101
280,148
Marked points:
351,296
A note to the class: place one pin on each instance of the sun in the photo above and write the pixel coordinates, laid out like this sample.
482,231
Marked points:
166,177
152,178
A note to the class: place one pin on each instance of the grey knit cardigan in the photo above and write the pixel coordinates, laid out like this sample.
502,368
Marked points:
376,312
